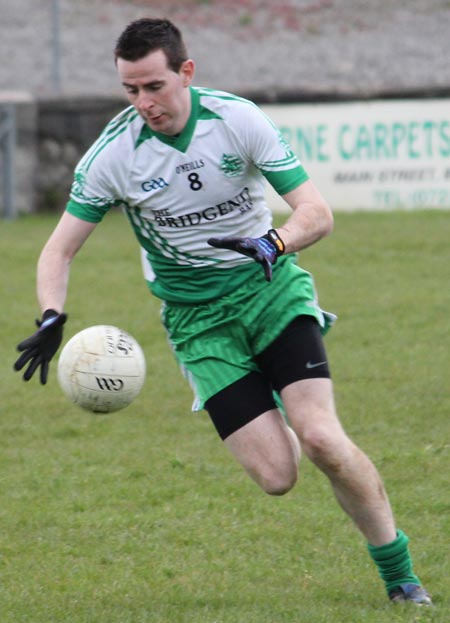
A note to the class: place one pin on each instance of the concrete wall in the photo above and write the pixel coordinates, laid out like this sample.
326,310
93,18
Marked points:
66,129
18,115
50,138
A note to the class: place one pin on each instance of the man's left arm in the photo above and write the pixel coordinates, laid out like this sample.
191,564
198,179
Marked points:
311,218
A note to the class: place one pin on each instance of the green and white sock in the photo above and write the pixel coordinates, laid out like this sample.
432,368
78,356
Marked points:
394,562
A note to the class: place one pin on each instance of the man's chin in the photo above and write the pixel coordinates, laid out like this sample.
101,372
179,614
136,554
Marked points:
159,125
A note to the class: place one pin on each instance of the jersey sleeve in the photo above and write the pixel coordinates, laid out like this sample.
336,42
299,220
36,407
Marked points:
100,178
91,195
270,153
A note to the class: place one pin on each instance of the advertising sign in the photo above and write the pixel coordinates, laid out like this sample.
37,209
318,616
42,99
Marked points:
378,155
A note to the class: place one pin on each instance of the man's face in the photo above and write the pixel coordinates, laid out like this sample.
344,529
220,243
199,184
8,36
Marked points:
159,94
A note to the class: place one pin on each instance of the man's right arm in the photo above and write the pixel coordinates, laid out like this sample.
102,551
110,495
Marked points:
52,280
54,261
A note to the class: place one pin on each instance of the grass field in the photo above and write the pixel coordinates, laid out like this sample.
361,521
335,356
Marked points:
142,517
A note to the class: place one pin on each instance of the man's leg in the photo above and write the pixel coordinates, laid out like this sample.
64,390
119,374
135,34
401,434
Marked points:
355,481
247,419
269,451
296,364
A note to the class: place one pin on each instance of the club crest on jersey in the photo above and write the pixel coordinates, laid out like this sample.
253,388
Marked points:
78,190
285,145
231,165
79,182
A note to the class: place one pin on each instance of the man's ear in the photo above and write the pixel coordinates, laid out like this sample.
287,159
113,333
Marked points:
187,71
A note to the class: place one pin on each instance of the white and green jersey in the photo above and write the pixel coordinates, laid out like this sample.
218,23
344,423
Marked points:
178,191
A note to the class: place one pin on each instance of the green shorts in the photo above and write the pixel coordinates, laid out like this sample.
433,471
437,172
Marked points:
215,342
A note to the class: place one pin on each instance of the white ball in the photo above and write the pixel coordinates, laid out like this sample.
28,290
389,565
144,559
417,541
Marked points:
101,369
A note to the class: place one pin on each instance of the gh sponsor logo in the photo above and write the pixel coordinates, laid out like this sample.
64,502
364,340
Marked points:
153,185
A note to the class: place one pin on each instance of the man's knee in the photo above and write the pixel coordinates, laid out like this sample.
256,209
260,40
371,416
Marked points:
277,481
328,448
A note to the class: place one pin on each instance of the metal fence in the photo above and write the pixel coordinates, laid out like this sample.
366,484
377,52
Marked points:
7,151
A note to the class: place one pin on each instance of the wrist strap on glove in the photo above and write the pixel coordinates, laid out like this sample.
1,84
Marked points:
273,237
47,318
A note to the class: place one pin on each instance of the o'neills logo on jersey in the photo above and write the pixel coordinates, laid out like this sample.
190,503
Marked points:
239,203
190,166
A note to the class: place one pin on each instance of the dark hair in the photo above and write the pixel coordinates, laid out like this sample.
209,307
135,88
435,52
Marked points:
147,35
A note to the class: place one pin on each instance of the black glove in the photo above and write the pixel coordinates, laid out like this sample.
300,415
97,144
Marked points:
42,345
264,250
